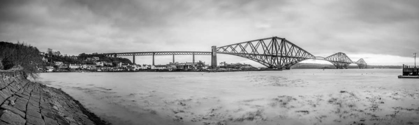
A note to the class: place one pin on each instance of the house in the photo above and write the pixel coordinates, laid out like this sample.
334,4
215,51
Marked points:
142,66
91,67
185,66
92,59
119,64
171,66
136,67
100,63
124,65
161,67
151,67
107,63
58,63
64,66
74,66
49,68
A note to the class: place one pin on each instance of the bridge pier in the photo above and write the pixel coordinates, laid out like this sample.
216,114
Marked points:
114,55
214,57
153,59
173,58
193,58
133,58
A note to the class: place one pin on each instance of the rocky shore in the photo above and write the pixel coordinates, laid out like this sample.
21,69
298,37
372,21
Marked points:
28,103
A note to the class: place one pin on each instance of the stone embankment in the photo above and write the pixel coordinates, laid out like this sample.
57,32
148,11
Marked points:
27,103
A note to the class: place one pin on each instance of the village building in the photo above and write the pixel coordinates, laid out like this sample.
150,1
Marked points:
49,68
160,67
74,66
58,63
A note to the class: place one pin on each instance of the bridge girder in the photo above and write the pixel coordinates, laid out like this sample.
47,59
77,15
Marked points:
339,60
272,52
157,53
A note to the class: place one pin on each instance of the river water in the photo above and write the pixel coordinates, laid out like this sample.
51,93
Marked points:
297,96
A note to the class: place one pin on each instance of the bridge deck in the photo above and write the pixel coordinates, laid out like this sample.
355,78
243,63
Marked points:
159,53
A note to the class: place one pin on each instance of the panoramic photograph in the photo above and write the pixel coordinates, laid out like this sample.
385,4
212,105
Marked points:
209,62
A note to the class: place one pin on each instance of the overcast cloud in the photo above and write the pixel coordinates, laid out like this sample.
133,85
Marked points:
357,27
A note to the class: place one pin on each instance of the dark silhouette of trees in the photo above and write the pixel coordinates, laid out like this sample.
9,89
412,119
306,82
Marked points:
20,56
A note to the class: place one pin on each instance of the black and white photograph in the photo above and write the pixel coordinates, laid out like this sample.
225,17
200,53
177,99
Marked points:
209,62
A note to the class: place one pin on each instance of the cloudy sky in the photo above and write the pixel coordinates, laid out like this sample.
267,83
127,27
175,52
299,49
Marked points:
380,31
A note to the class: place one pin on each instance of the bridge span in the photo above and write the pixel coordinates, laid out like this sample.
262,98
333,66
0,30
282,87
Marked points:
272,52
154,53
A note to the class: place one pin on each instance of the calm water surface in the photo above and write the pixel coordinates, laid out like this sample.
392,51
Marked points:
162,97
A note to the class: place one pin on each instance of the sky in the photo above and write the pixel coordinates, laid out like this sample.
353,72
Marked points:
383,32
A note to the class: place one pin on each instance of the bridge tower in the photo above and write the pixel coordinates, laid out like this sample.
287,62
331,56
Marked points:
361,63
214,57
339,60
273,52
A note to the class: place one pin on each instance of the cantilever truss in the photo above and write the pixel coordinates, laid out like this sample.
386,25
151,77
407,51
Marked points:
272,52
339,60
361,63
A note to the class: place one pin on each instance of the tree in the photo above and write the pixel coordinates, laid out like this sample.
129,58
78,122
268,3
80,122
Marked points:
20,56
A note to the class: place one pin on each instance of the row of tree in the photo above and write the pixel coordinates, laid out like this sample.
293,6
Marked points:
20,56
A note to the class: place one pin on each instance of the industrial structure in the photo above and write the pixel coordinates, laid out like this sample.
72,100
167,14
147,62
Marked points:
272,52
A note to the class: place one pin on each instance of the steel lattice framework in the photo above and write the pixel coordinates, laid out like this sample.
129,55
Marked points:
272,52
339,60
361,63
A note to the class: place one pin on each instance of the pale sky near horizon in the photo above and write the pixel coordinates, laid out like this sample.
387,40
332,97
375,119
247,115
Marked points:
383,32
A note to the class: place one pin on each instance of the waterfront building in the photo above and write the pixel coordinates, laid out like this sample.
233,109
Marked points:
171,66
151,67
100,63
107,63
161,67
58,63
63,67
49,68
236,66
74,66
91,67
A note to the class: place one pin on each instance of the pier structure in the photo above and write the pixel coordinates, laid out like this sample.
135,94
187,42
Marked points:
410,70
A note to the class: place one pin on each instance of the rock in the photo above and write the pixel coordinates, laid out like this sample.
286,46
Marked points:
29,103
11,118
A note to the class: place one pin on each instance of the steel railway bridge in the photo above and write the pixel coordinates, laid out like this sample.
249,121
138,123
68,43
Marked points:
272,52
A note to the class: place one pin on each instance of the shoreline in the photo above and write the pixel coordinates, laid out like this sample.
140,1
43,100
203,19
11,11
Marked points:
26,102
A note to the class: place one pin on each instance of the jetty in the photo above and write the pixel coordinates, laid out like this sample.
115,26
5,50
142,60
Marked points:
409,72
